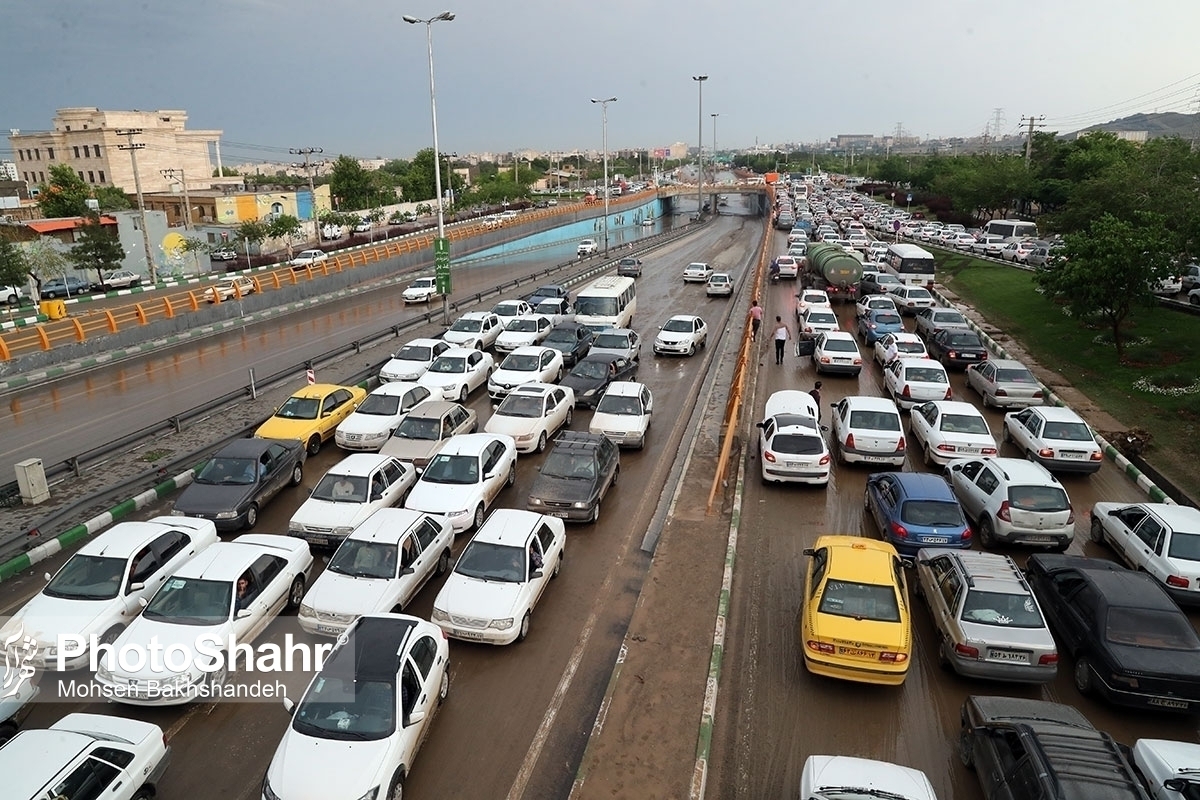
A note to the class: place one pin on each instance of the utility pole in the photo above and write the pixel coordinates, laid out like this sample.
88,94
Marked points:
178,174
312,190
1033,122
998,117
133,147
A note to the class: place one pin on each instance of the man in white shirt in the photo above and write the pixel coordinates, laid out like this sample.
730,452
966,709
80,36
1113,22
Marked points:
781,337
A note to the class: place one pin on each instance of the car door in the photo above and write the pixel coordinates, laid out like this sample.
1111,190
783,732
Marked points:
475,375
539,578
1119,527
544,362
923,421
607,452
701,330
1147,548
883,500
428,667
398,479
635,344
270,576
412,397
1072,608
171,551
892,374
414,567
1018,430
979,377
946,599
626,369
556,411
97,776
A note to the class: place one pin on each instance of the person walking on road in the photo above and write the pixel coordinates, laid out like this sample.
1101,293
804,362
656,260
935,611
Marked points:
781,337
756,315
816,395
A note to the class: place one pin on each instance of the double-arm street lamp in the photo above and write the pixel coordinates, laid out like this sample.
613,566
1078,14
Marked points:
604,118
441,247
700,79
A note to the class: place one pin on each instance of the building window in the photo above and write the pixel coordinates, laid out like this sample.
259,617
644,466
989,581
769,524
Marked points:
50,153
41,177
80,174
76,149
21,155
96,148
37,152
102,176
68,127
91,176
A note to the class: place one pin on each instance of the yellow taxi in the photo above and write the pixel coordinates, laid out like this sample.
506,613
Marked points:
312,414
855,624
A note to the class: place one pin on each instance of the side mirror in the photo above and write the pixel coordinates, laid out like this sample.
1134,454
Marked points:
1176,785
537,573
143,602
377,495
137,587
487,476
242,613
288,705
808,551
408,571
414,718
47,576
760,425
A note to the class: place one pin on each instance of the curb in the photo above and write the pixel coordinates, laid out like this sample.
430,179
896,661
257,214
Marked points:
94,525
1156,494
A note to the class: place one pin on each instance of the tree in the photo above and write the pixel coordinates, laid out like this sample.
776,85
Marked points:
351,184
13,267
44,261
253,231
96,247
195,246
65,194
284,226
1110,269
419,183
112,199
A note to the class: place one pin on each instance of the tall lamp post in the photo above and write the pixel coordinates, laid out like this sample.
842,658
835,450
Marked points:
441,246
700,79
604,118
714,153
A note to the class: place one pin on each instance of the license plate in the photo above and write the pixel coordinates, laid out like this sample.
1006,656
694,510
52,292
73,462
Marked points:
1072,454
1039,539
1165,703
935,539
329,629
874,459
850,651
468,634
967,356
559,514
967,451
1008,655
841,361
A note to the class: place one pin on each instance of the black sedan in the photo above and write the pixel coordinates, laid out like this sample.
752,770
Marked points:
1131,643
572,340
592,375
239,479
956,347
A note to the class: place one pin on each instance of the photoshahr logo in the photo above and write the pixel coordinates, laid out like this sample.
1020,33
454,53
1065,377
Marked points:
19,650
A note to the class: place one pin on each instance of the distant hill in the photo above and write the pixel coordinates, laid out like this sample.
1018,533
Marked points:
1168,123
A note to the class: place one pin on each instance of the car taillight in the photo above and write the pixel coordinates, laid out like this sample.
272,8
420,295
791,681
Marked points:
1001,393
1046,659
1046,452
1005,512
967,533
1177,581
900,445
895,658
820,647
949,393
946,448
1097,456
951,354
849,441
872,326
983,356
857,362
989,451
898,530
1038,394
966,650
906,392
769,456
1071,516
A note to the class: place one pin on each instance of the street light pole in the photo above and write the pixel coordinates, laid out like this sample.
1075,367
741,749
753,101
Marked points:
441,246
714,152
133,147
604,128
700,79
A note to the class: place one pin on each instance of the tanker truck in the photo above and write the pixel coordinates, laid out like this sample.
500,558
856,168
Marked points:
830,268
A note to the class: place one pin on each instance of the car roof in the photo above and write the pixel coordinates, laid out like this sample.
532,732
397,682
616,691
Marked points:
870,403
537,389
1021,470
386,525
510,526
458,352
394,388
515,302
872,559
477,315
921,363
470,444
226,561
923,486
423,342
124,539
838,335
904,336
568,325
1118,585
622,331
431,409
373,649
993,572
956,407
319,390
625,388
1056,413
791,401
1178,518
359,464
531,350
248,448
1007,363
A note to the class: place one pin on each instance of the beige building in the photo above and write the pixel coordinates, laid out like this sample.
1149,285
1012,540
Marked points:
89,141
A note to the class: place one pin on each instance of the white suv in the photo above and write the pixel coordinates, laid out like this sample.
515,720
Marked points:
1013,501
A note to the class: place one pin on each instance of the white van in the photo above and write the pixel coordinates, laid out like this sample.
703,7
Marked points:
1011,229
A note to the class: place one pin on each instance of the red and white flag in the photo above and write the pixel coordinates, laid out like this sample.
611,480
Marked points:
312,377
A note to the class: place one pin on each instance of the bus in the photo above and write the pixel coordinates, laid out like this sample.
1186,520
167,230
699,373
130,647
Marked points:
1014,229
910,264
607,302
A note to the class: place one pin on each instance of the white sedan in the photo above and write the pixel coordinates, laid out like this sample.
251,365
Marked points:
477,329
352,490
507,309
682,335
379,568
457,372
202,602
422,290
720,284
874,302
950,429
697,272
556,309
623,414
1057,438
812,297
373,422
836,351
525,365
101,588
907,345
229,289
911,381
463,480
532,413
411,361
1159,538
523,332
490,595
362,720
1164,763
851,777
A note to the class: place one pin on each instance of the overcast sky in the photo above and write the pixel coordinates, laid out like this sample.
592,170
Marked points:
350,76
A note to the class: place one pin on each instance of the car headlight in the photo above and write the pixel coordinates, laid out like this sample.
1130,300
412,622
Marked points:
175,512
103,674
580,505
439,614
371,795
501,624
462,513
296,527
307,610
525,438
267,791
182,680
227,514
589,393
343,530
536,501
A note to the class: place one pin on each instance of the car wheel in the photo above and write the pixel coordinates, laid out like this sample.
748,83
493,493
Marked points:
144,793
928,456
595,513
296,593
396,789
297,475
691,350
217,678
477,523
111,634
443,562
1194,299
987,533
616,474
541,443
570,416
1083,675
252,516
558,564
512,475
462,395
1005,436
314,444
966,748
1097,531
444,687
560,374
943,658
479,346
7,731
524,631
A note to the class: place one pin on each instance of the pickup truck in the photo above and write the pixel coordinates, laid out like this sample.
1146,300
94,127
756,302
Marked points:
1042,751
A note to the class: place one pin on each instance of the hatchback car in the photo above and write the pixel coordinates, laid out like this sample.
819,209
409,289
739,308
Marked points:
465,478
989,623
491,594
240,478
457,372
532,413
856,622
312,414
477,329
720,284
950,429
412,361
1013,501
352,490
955,347
912,381
525,365
836,352
786,266
507,309
377,417
1157,538
791,448
422,290
911,298
914,510
1004,383
630,267
697,272
868,430
623,414
682,334
576,476
1055,437
572,340
877,323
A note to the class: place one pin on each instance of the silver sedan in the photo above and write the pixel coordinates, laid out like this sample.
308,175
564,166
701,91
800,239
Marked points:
1005,383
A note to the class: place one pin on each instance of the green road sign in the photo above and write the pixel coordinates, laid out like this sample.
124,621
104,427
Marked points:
441,264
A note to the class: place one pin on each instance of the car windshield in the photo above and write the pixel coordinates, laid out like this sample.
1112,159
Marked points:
860,600
383,405
1038,498
910,347
1067,432
521,405
522,325
596,306
568,465
933,514
521,362
492,562
875,420
346,709
188,601
948,316
918,294
228,472
875,302
460,470
628,262
999,608
1184,545
619,404
887,318
549,307
616,341
506,310
413,352
341,489
419,428
1009,375
925,375
361,559
467,325
964,423
591,369
840,346
884,280
87,578
561,337
1150,627
963,340
697,267
448,365
821,318
678,326
549,291
299,408
797,444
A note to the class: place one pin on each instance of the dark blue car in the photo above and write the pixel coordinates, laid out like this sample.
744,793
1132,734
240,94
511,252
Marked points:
915,510
877,323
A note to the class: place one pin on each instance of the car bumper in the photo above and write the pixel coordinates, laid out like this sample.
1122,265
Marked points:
661,348
359,444
144,693
320,627
1183,597
853,456
816,477
1085,467
719,293
569,514
837,369
422,299
884,676
1000,671
330,540
1135,699
906,548
629,273
1013,401
1046,537
623,438
963,363
480,635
